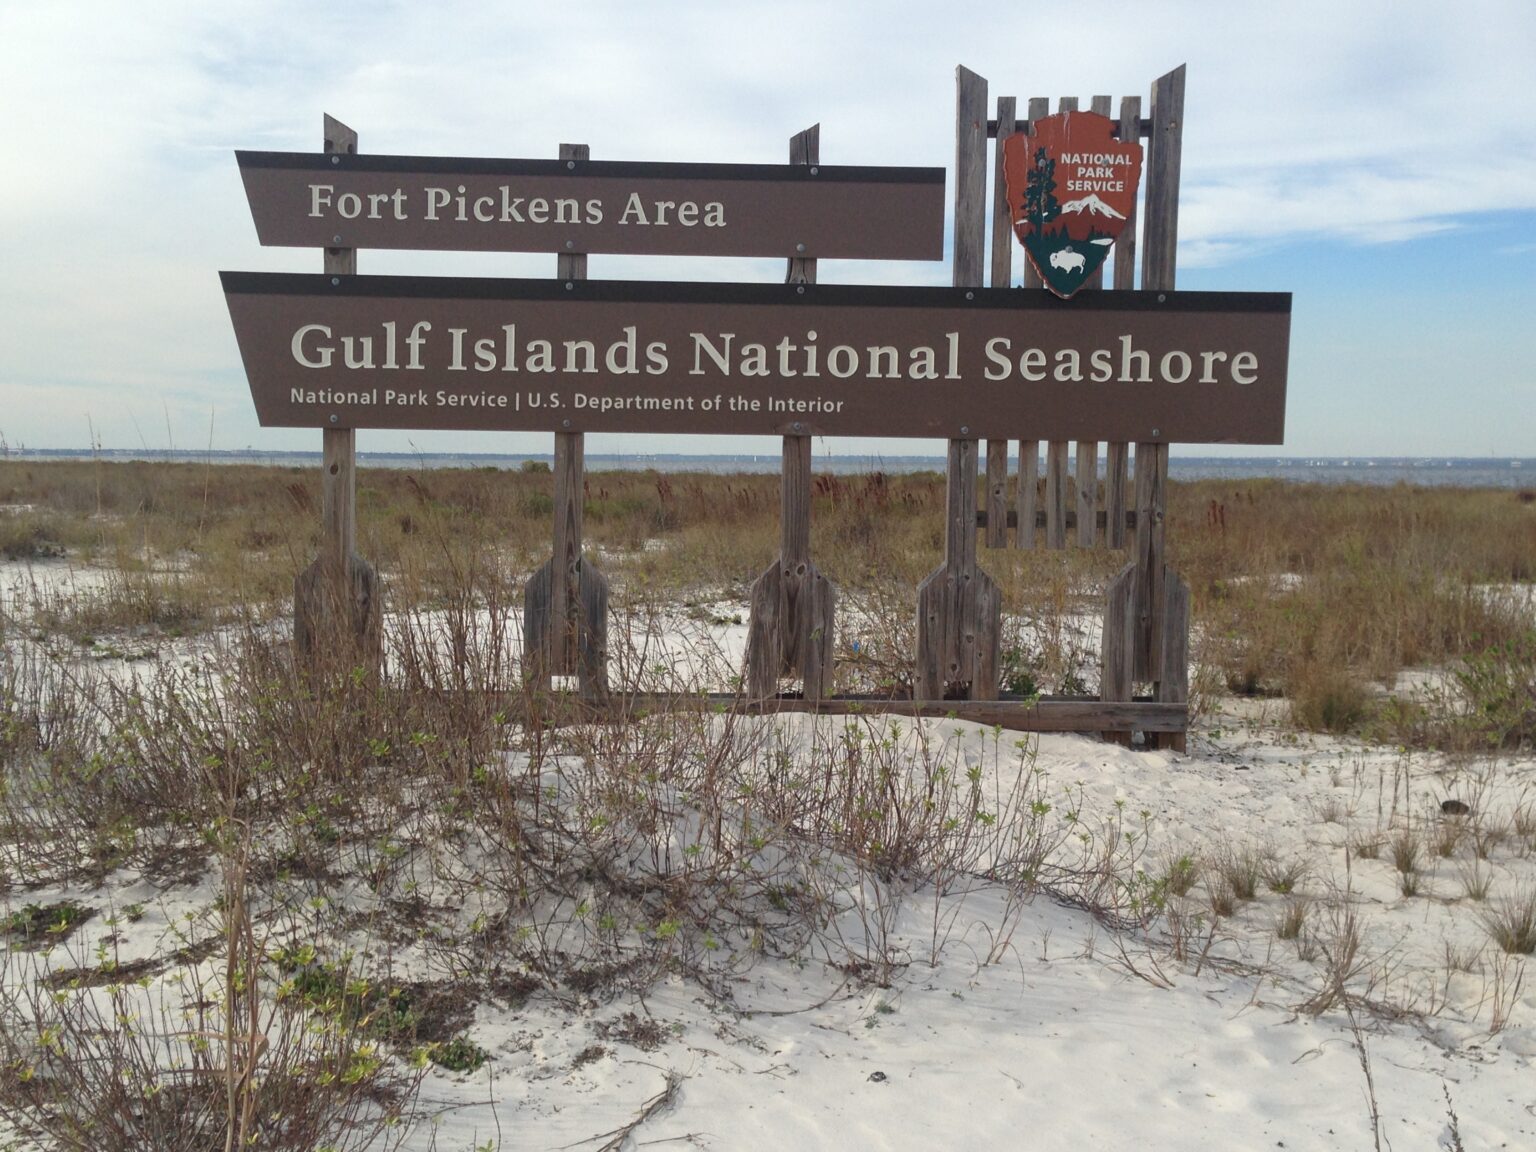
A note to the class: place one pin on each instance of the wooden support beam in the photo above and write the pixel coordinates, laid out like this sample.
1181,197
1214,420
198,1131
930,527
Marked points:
1050,714
791,627
337,614
565,604
959,607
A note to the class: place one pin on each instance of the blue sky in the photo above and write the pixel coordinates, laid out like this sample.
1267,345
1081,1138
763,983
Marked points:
1376,159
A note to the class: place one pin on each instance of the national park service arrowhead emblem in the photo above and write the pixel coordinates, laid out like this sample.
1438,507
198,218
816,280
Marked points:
1071,191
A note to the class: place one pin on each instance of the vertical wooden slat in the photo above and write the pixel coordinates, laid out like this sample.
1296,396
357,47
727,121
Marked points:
1039,107
1002,226
1118,642
1173,670
1056,494
1161,237
1125,245
997,494
1087,492
1116,472
1159,264
1151,500
1028,494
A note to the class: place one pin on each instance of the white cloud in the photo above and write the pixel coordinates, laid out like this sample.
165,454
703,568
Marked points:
1372,122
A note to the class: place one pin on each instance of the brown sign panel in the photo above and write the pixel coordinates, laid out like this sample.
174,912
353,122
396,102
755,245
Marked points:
789,210
612,356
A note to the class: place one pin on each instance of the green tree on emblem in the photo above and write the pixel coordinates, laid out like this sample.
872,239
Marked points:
1040,203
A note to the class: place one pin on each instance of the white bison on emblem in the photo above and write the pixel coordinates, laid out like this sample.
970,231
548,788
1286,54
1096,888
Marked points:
1068,261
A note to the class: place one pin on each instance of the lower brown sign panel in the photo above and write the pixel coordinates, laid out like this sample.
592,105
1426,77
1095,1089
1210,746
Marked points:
600,356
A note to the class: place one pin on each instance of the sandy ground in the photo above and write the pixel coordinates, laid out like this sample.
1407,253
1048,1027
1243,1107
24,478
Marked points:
996,1026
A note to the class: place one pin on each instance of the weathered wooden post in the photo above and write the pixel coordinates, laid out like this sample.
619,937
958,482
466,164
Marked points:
565,605
959,606
337,615
793,606
1146,634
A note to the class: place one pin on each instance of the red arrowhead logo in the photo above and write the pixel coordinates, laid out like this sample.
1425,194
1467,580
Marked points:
1071,190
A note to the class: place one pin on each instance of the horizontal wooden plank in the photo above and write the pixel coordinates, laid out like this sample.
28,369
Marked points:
1101,519
1049,714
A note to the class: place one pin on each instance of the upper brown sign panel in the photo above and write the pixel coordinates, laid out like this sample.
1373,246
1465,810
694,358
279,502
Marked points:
598,356
441,203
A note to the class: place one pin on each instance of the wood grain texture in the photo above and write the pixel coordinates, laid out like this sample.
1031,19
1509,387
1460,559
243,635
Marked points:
970,233
1087,493
1056,494
997,494
1028,495
1125,244
1017,715
1117,645
1116,474
565,603
337,613
1150,550
791,626
959,607
1173,673
1003,243
1160,238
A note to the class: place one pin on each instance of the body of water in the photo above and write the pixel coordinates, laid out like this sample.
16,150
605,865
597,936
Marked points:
1420,471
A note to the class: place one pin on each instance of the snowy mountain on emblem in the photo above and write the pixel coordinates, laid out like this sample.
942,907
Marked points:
1092,205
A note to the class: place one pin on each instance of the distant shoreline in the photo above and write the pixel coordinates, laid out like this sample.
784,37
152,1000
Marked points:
1427,471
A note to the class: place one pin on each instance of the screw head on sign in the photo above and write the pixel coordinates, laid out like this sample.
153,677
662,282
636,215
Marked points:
797,426
970,295
335,281
569,244
565,423
1156,432
335,419
799,247
570,164
815,171
335,159
799,289
336,239
1162,298
569,287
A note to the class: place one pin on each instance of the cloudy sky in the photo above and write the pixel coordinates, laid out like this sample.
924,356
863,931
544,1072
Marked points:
1377,159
